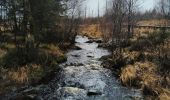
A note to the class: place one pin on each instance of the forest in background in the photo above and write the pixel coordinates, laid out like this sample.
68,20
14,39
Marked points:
35,35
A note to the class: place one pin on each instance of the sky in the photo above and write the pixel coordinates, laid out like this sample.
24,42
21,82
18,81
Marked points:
92,6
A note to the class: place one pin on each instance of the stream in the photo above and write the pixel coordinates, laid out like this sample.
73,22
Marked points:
83,78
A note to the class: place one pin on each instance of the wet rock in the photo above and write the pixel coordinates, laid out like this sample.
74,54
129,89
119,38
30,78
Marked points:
105,58
75,64
95,66
98,41
90,41
90,56
23,97
76,55
29,94
76,48
73,84
14,89
73,93
48,77
80,64
22,89
2,77
38,98
27,97
33,90
72,64
132,98
105,45
93,92
72,90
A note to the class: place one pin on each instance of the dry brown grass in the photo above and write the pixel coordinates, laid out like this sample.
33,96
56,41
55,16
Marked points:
15,78
21,75
165,95
31,73
92,30
143,71
155,22
52,49
142,32
145,75
2,53
146,66
130,55
128,75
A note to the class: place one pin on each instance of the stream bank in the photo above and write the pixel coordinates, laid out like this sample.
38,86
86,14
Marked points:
82,77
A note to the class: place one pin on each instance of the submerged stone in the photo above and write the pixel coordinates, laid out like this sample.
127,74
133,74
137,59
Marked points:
94,92
89,41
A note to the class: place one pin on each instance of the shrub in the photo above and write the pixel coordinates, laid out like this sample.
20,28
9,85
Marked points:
23,56
152,40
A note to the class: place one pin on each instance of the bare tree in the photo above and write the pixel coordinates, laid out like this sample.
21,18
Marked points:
119,10
164,6
131,10
73,14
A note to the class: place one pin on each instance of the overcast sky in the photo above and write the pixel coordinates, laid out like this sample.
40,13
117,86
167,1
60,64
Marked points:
92,6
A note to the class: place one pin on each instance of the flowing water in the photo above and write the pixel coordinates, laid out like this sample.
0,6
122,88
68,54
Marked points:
83,78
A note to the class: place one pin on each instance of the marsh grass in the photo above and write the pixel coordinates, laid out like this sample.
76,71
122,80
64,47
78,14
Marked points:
150,53
92,30
23,67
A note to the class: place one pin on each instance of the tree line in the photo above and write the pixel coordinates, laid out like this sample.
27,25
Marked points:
43,20
122,15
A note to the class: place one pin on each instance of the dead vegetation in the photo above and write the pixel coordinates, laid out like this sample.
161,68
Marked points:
18,73
154,22
144,63
148,72
92,30
145,75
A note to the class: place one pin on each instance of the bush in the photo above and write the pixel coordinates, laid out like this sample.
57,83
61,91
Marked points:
141,44
158,37
23,56
151,41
